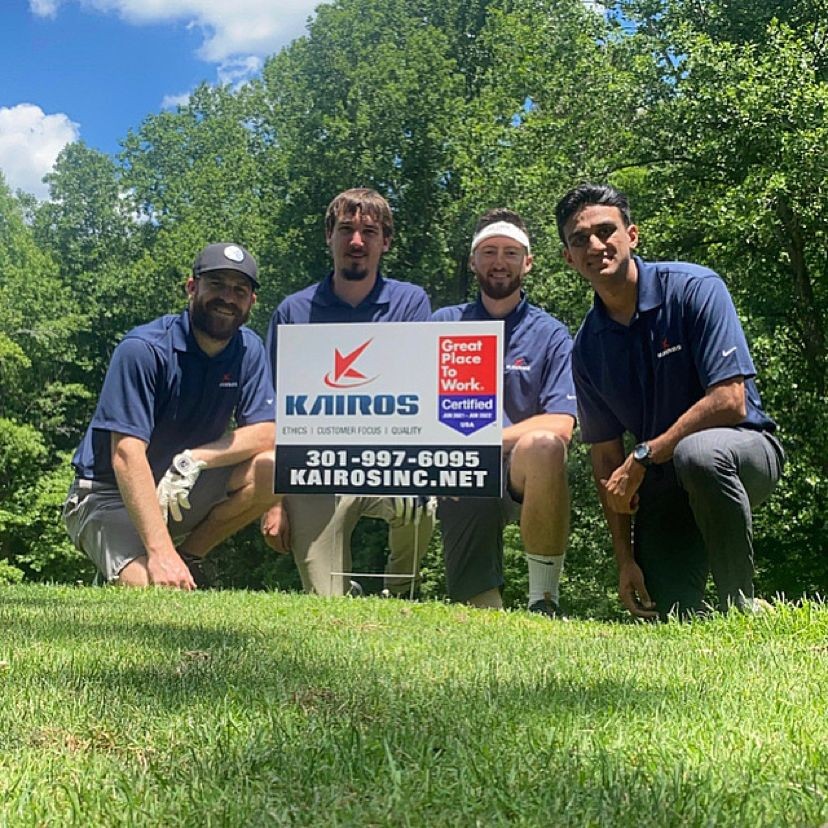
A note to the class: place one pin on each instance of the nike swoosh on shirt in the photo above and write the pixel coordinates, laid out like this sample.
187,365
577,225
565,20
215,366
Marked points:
729,351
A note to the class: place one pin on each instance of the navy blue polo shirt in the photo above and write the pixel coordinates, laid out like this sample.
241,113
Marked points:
388,301
684,337
537,375
163,389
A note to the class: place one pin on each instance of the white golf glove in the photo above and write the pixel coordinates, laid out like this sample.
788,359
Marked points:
173,489
411,509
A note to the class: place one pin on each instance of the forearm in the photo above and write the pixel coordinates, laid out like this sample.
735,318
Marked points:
722,405
137,487
620,528
606,458
236,446
560,424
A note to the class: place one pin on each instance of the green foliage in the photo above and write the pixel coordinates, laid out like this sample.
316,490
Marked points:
38,320
21,456
369,98
196,176
10,574
41,547
33,538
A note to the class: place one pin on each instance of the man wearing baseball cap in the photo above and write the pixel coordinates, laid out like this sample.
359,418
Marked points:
538,418
160,477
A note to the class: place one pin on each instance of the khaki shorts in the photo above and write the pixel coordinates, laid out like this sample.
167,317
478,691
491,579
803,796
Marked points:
99,525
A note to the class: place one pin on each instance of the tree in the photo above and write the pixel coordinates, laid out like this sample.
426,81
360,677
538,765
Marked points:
39,392
196,178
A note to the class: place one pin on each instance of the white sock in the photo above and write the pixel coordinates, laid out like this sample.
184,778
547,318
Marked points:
544,577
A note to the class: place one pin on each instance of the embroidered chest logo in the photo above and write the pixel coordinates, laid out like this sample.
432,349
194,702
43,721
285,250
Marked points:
227,381
667,348
519,364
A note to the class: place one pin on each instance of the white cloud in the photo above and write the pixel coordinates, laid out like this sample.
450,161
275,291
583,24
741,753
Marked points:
30,142
237,35
44,8
173,101
597,6
238,70
231,29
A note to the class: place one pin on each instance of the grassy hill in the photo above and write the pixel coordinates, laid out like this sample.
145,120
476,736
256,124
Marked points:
232,708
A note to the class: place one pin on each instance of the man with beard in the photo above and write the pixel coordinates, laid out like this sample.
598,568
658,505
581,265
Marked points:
662,355
317,528
538,418
159,441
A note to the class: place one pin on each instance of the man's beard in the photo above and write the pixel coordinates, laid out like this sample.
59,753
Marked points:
221,328
500,289
353,274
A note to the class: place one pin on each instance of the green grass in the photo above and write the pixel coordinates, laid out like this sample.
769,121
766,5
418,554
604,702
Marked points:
154,708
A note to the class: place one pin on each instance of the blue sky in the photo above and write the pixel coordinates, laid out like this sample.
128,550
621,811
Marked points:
93,69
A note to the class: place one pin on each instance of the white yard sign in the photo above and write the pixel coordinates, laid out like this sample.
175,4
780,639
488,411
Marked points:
389,408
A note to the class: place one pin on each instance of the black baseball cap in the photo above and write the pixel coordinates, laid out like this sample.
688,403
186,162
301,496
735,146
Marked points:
226,256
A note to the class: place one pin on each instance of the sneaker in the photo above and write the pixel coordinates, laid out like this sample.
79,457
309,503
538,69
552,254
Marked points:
757,606
405,595
355,590
547,607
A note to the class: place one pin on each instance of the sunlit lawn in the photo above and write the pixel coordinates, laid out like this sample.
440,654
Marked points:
225,708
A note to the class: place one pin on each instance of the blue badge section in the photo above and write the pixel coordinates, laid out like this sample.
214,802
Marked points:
467,414
467,382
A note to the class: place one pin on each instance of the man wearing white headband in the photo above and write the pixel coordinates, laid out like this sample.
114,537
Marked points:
538,418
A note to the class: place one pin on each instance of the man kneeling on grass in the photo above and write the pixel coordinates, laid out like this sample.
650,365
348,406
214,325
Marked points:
538,418
159,478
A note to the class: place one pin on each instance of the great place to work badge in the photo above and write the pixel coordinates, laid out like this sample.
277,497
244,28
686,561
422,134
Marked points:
389,409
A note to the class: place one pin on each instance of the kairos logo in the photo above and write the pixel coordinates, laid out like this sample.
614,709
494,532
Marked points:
344,374
520,364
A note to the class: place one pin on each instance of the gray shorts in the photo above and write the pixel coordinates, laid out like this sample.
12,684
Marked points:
99,525
472,530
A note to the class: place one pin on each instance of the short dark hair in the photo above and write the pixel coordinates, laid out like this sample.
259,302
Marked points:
585,195
364,201
496,214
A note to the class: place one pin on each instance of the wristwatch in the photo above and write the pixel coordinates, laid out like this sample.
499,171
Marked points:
643,453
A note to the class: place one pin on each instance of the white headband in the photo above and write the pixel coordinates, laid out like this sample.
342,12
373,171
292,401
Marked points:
501,228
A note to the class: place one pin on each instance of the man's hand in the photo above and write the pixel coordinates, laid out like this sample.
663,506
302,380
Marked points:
168,570
174,488
276,528
632,591
621,488
410,510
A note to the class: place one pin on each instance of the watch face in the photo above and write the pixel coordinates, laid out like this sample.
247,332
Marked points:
641,452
